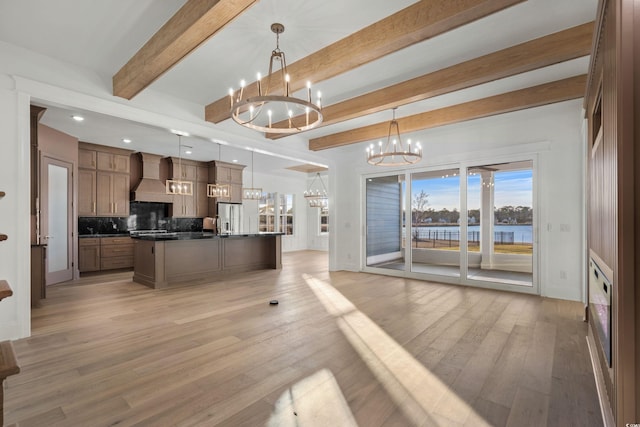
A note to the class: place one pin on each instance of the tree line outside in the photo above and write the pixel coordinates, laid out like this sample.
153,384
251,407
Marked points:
422,215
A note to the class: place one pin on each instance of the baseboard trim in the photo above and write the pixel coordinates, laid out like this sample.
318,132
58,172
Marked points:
605,408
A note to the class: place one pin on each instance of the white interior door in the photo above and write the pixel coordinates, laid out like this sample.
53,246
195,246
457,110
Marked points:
56,211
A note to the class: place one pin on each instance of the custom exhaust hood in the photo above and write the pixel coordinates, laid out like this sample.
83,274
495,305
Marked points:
151,188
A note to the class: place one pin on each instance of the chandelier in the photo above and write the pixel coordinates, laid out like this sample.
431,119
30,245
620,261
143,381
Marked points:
177,186
317,198
394,152
252,193
274,109
219,191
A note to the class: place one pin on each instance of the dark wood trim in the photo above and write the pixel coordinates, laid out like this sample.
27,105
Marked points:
595,46
5,290
627,269
8,366
36,114
614,194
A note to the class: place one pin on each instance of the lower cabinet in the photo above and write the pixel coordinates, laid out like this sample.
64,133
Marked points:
89,254
104,253
116,252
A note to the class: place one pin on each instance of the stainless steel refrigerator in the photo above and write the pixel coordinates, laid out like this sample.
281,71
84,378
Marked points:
229,218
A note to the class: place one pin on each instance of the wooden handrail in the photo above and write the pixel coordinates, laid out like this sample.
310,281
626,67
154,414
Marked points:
5,290
8,366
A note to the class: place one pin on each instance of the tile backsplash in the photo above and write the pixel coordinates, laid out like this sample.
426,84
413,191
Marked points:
148,216
102,225
143,216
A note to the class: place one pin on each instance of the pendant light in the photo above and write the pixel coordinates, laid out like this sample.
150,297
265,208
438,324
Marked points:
394,152
317,198
219,191
274,109
251,193
179,186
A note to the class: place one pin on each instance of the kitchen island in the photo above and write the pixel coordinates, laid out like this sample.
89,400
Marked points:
161,260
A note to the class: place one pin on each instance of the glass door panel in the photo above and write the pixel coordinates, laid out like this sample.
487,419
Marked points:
500,223
435,218
385,222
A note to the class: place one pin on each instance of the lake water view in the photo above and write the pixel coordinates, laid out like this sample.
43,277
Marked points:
522,233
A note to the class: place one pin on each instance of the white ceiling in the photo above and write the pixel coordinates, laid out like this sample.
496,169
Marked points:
102,35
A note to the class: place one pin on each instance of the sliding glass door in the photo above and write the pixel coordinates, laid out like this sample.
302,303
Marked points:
435,222
500,228
385,225
415,226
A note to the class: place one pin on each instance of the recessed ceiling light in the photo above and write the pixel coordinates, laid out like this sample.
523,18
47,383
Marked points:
77,118
126,140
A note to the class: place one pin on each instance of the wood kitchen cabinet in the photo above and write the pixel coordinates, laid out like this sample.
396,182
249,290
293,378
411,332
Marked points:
230,173
86,192
182,169
87,158
185,206
202,201
226,173
89,254
112,162
103,180
112,194
104,253
116,252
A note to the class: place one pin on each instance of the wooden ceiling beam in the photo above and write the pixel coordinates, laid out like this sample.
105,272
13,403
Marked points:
416,23
549,93
192,25
541,52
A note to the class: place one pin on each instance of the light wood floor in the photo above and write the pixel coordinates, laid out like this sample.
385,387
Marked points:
340,349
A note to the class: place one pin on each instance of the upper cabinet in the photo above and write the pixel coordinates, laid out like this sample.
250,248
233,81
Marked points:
103,180
87,158
188,206
111,162
230,174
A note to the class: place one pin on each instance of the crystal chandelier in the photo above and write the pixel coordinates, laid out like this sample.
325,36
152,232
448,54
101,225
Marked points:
274,109
317,198
252,193
219,191
394,152
176,186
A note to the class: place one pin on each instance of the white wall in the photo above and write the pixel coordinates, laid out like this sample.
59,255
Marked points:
14,211
286,182
315,240
551,133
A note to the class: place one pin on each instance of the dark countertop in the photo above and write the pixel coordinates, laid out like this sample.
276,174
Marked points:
198,235
85,236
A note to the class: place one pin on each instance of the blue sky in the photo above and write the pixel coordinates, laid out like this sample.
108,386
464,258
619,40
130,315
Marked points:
513,188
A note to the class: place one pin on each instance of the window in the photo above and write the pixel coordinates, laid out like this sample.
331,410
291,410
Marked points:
286,214
324,220
267,213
